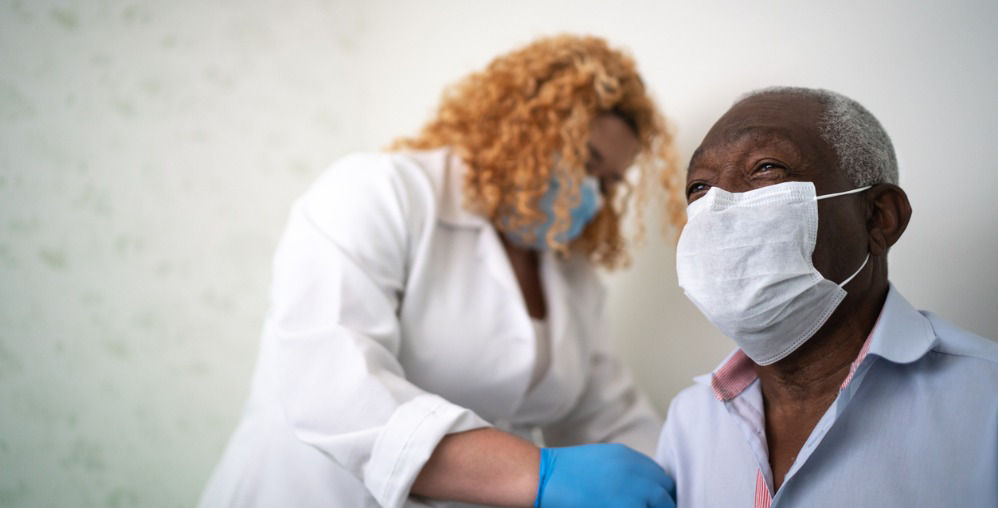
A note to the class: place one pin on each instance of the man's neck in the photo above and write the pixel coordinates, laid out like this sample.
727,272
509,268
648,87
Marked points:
821,365
812,373
799,389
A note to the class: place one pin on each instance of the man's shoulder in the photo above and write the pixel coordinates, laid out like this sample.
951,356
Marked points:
904,336
696,394
964,359
953,340
696,419
693,404
958,369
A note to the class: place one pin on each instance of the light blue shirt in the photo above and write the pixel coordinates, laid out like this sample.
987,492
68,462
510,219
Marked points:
914,425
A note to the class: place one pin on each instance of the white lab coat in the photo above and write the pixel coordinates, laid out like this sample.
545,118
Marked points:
395,319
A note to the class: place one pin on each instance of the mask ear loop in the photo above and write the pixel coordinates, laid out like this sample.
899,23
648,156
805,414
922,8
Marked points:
854,274
843,193
867,258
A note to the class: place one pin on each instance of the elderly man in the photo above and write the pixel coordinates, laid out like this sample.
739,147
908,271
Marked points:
840,393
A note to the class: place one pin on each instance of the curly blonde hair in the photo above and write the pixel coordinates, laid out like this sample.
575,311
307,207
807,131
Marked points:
528,115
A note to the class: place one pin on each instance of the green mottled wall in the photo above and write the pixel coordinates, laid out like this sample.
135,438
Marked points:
149,152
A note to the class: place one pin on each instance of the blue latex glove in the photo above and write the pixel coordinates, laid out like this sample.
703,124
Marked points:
601,475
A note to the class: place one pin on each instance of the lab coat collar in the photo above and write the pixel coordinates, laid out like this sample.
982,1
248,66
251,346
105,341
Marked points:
445,170
452,209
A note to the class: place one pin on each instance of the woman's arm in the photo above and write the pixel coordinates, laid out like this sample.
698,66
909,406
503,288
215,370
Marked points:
484,466
332,334
491,467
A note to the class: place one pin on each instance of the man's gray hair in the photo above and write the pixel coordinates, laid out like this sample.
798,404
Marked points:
863,148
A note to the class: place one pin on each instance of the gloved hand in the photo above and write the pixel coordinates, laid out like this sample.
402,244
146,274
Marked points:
601,475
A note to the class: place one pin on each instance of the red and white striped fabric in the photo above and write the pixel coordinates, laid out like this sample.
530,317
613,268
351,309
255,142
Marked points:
762,497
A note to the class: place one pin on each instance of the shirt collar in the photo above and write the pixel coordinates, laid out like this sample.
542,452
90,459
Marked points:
452,209
446,170
900,335
731,378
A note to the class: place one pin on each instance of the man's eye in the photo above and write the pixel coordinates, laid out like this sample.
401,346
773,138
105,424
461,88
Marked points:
767,166
695,189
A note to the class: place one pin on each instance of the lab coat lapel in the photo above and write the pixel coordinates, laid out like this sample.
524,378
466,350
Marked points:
451,202
557,299
493,255
568,324
453,213
553,396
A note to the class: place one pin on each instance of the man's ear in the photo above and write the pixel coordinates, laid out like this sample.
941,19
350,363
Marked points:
890,212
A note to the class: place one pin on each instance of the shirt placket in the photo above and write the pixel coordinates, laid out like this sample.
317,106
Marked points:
747,411
846,392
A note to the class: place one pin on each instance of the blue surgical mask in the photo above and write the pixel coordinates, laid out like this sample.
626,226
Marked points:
590,202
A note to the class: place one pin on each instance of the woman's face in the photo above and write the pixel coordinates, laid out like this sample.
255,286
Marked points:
612,149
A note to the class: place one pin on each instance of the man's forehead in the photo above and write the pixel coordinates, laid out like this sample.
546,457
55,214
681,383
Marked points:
720,145
771,120
780,113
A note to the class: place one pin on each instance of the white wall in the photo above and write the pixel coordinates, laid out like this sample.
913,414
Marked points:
149,153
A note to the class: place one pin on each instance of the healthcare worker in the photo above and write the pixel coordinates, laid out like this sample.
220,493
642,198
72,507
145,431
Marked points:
434,310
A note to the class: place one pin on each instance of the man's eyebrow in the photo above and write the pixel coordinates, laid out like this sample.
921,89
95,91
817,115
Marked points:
758,136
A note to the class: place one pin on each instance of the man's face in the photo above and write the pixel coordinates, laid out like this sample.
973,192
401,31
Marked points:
769,139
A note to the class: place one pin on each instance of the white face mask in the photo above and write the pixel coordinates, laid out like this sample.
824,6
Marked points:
744,259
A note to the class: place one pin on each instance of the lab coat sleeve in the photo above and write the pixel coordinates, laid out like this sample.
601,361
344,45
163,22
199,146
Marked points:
611,409
339,276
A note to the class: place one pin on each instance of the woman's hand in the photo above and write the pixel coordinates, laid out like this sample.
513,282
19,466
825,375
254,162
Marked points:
599,475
